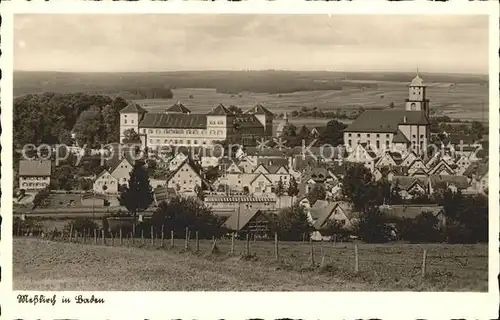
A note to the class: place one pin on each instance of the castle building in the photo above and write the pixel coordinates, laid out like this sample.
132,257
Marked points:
179,127
394,129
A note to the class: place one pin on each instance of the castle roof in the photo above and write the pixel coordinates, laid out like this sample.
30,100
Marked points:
260,109
174,121
179,107
386,120
220,110
417,82
133,108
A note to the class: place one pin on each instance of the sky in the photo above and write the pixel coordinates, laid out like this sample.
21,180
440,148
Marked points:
172,42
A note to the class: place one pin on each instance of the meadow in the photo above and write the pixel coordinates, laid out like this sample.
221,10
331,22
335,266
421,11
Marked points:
59,265
463,101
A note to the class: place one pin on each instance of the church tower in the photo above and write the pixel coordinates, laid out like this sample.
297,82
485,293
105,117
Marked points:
417,94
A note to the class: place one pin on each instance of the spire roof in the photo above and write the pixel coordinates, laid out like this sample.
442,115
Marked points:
178,107
220,110
133,108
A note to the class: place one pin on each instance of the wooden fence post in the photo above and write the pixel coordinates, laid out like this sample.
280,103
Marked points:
112,239
276,252
171,238
95,236
424,262
162,234
142,235
186,243
152,235
197,241
232,243
248,244
132,237
70,233
356,260
214,245
334,240
18,229
121,236
103,236
312,251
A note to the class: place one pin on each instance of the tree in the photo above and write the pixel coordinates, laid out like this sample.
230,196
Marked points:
289,130
304,132
279,190
131,136
137,196
333,133
317,193
391,105
291,223
89,128
40,197
235,110
335,228
293,187
199,192
357,187
181,213
372,226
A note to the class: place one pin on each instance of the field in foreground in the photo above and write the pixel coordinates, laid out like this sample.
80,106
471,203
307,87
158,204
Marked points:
54,265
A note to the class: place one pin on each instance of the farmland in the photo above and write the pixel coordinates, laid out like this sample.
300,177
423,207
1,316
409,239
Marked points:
57,265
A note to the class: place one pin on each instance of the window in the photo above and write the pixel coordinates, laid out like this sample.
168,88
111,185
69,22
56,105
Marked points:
378,135
378,144
132,121
157,140
175,141
195,141
166,141
421,136
387,136
125,121
150,131
349,142
184,181
368,135
349,135
413,136
359,136
188,141
150,140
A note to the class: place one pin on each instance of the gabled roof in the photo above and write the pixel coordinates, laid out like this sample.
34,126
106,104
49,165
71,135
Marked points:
256,177
179,107
405,182
260,109
133,108
386,121
174,121
239,220
104,172
117,162
446,180
410,211
419,172
220,110
35,168
400,138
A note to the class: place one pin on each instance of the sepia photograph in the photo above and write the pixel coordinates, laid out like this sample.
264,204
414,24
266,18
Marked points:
250,152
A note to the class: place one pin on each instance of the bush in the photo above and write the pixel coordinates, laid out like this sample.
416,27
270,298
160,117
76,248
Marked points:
424,228
81,225
291,223
373,226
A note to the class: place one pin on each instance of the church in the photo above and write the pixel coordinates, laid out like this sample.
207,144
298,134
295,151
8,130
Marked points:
394,129
177,126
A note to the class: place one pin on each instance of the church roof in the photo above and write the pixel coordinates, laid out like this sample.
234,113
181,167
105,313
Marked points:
400,138
260,109
178,107
386,120
220,110
133,108
417,82
174,121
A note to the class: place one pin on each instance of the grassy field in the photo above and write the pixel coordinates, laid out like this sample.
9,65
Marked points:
53,265
463,101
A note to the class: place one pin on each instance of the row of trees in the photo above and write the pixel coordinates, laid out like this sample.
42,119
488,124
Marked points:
332,113
49,118
332,133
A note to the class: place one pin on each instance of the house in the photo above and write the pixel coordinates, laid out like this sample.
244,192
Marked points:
442,167
462,163
413,211
363,154
121,170
186,178
417,166
324,211
225,205
410,186
408,159
254,221
177,161
261,184
389,159
443,182
34,175
106,183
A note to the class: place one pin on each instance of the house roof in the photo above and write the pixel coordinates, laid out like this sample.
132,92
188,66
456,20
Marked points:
260,109
263,152
323,210
220,110
446,180
257,177
35,168
102,173
179,107
400,138
410,211
133,108
268,162
477,169
386,120
405,182
239,220
420,172
318,207
246,121
163,194
117,161
237,198
174,121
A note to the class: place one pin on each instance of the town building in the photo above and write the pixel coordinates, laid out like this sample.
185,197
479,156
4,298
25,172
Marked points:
394,129
177,126
34,175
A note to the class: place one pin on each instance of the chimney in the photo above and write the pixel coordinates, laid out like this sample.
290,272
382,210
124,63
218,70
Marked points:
404,119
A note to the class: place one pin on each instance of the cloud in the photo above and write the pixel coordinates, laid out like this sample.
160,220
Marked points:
181,41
